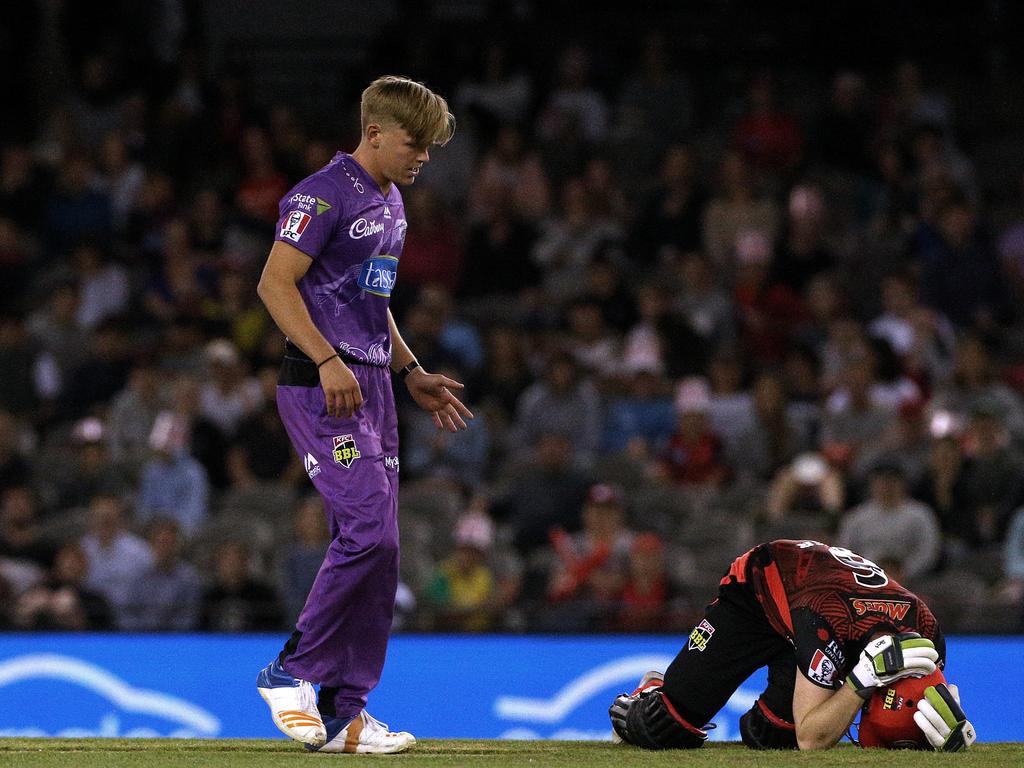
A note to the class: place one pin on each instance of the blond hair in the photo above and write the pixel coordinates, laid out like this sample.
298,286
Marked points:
411,105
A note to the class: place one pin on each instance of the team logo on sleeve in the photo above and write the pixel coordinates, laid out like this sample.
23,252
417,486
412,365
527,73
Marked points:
345,451
295,225
308,203
822,670
700,636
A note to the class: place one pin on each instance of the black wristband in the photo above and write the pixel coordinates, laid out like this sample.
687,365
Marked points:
404,372
335,355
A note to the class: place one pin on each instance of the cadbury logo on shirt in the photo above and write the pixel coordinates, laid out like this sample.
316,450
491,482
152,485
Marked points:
362,228
379,275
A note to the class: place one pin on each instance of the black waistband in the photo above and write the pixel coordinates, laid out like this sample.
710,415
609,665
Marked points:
290,350
298,370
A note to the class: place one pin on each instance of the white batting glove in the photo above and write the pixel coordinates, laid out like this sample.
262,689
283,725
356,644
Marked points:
942,720
890,658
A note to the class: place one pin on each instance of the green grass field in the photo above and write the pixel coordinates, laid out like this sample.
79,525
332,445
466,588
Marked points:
228,753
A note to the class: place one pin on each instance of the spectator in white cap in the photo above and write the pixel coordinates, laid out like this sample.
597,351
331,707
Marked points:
463,586
230,394
803,252
173,483
90,469
694,455
808,486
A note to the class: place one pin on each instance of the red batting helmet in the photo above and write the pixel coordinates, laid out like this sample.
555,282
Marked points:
887,719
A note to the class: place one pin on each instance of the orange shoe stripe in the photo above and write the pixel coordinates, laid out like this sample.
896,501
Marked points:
301,721
353,730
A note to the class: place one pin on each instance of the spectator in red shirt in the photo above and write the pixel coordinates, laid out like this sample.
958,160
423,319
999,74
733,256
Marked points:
694,455
769,137
650,600
767,313
433,253
263,186
590,567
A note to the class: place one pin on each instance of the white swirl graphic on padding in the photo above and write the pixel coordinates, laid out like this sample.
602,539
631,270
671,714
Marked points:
625,671
101,681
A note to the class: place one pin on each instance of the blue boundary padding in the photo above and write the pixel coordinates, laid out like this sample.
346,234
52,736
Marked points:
500,686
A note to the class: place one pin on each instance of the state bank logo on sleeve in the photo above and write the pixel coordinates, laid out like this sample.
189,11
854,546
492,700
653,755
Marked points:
345,451
379,275
308,203
295,225
822,670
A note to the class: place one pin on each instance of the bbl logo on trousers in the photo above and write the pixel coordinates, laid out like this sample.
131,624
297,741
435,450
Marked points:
345,451
700,636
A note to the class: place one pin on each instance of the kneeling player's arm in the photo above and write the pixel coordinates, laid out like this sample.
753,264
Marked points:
821,715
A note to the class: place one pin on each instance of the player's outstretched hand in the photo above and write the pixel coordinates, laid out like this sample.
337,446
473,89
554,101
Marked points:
942,719
891,657
433,393
341,390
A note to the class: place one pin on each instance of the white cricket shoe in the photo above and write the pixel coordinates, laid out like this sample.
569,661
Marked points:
364,734
292,704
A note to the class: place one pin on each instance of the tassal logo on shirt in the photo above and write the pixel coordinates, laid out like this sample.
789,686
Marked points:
379,275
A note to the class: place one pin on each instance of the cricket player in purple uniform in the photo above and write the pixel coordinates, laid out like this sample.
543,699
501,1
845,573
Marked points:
327,283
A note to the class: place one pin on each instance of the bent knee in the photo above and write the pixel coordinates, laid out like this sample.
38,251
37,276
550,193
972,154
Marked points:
760,728
654,723
374,538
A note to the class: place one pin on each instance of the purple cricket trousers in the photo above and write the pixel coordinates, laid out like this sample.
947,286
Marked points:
343,629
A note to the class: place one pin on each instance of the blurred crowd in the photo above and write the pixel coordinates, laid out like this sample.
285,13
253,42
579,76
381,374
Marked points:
687,322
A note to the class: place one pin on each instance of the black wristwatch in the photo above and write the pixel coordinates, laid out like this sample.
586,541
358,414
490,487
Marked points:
403,374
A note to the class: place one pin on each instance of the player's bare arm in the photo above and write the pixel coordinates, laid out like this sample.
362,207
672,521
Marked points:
821,715
278,289
431,391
